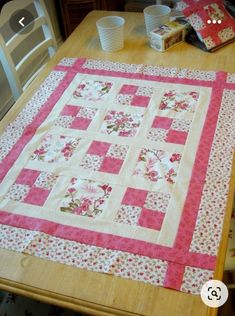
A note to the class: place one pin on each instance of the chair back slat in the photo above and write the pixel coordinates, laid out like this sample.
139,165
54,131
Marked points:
16,40
34,53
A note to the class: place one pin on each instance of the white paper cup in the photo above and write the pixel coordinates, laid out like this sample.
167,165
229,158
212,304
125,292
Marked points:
156,15
110,29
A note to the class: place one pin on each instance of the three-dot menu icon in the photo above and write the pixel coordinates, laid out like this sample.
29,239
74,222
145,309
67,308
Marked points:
214,21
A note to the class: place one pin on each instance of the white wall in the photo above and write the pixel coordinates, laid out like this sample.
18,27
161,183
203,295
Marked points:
6,100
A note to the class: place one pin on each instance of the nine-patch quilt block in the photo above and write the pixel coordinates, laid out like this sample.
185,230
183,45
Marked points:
121,166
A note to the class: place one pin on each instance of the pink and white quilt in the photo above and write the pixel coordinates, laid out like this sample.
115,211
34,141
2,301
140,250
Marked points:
122,169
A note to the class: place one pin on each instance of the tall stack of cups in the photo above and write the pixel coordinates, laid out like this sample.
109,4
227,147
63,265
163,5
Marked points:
156,15
110,29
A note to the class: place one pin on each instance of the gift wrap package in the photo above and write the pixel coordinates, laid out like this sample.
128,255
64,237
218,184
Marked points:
169,34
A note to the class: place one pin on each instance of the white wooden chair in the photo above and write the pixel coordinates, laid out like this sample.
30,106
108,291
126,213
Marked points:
46,44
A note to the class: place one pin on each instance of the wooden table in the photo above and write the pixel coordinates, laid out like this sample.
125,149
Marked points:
95,293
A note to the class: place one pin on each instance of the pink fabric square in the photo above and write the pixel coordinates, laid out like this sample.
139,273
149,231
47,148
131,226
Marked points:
162,122
70,110
128,89
27,176
140,100
176,137
135,197
80,123
151,219
37,196
98,148
111,165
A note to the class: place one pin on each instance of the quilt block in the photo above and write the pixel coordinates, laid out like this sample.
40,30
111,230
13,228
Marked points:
76,117
134,95
169,130
104,157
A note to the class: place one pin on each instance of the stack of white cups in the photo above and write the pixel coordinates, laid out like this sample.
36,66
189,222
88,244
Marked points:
110,29
156,15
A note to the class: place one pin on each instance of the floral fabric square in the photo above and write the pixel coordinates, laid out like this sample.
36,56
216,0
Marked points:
93,90
143,208
118,151
134,95
179,101
121,124
128,214
76,117
157,165
86,197
32,187
56,148
157,201
169,130
104,157
45,180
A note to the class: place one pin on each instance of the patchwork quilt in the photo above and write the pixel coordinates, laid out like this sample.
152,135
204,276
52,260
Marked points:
121,169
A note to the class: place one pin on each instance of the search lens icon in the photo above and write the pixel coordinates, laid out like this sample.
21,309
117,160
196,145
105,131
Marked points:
214,293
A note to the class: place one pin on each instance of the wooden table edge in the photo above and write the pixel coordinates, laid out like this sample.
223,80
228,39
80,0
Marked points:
71,303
